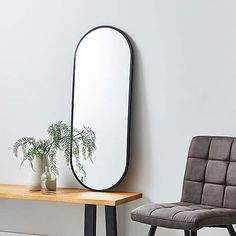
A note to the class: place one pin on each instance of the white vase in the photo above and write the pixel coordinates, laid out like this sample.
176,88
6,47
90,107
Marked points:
34,182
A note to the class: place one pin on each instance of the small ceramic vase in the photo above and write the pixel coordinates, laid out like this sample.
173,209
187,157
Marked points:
34,182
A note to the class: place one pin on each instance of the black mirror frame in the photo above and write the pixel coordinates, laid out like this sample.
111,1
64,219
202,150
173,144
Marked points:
129,105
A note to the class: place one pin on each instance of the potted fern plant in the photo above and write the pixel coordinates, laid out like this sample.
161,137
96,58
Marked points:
62,137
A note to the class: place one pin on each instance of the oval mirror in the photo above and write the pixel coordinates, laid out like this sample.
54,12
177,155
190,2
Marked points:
101,101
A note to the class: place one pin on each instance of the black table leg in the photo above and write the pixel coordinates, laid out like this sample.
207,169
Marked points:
90,220
111,222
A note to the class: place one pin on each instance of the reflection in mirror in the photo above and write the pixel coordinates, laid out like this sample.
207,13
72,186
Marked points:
101,101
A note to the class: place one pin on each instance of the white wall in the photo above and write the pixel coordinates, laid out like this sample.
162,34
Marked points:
184,85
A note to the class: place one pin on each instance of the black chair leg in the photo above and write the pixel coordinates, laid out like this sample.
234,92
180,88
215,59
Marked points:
193,232
231,231
186,233
152,231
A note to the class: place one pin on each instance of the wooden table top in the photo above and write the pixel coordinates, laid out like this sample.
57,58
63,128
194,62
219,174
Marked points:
70,195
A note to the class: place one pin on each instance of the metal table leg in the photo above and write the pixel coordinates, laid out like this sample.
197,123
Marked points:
90,220
111,221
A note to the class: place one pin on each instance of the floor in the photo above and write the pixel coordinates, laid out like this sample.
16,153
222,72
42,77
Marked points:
14,234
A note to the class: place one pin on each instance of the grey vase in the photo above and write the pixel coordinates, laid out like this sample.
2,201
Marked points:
39,164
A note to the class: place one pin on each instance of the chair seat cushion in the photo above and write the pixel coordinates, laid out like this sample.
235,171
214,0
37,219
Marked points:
182,215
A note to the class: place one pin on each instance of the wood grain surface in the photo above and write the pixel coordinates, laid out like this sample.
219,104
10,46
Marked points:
70,195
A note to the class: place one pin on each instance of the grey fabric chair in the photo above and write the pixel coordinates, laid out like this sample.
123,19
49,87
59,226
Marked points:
209,190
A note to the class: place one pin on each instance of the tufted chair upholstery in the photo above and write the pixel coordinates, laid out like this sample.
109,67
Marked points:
209,189
210,176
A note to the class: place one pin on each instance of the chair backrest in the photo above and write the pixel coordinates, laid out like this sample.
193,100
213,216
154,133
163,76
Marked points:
210,175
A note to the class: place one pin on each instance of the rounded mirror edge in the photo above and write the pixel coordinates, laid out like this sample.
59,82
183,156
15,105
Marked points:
129,106
111,27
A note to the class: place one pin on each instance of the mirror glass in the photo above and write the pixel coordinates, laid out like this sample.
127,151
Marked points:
101,101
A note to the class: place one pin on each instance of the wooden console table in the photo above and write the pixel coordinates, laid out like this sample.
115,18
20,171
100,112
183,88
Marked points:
80,196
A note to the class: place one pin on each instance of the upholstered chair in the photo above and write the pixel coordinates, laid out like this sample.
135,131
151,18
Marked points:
209,191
